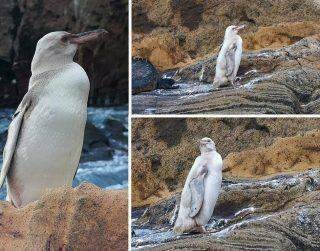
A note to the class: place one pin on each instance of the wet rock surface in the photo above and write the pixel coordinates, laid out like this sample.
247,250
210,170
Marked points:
279,213
281,81
24,22
82,218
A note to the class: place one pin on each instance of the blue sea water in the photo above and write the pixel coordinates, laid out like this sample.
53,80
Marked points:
111,173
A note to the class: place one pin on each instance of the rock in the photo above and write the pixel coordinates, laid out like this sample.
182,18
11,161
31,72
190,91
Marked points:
106,63
280,213
5,119
163,150
96,145
282,81
144,76
115,128
82,218
171,34
293,154
8,90
6,26
166,83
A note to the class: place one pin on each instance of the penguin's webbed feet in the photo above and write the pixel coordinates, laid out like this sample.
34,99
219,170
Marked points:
198,230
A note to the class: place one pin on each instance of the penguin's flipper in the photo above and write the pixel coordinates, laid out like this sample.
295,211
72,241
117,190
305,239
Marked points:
197,192
13,135
230,59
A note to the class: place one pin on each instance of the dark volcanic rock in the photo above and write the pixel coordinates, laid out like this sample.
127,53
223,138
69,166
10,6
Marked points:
166,83
24,22
115,128
283,81
144,76
96,145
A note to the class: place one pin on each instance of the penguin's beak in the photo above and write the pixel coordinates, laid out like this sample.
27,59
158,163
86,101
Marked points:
241,27
84,37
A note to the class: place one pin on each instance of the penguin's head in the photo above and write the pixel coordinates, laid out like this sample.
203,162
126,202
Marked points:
233,30
58,48
207,145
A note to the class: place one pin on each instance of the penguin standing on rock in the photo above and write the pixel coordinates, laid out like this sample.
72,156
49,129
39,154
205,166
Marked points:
229,58
45,137
201,190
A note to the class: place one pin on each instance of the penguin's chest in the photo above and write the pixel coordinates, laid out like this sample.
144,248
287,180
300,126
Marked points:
52,137
212,183
59,116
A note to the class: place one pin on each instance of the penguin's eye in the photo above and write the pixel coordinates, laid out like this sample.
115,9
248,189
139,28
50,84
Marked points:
64,39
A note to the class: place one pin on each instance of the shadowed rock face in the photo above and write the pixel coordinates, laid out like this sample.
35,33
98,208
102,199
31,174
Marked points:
84,218
24,22
281,213
282,81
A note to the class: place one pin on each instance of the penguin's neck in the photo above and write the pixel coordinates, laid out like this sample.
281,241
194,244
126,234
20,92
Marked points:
229,39
207,154
42,64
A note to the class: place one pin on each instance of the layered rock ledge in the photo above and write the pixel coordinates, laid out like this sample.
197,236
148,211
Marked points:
82,218
273,81
281,213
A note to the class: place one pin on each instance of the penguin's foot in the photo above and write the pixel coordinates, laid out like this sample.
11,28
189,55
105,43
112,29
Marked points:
199,230
216,86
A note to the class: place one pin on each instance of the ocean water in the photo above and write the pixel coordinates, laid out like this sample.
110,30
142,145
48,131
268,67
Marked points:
108,173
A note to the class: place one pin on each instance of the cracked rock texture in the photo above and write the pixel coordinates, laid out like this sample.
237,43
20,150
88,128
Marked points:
164,150
82,218
24,22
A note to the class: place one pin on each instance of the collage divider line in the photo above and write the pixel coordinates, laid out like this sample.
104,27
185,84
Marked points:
129,120
225,116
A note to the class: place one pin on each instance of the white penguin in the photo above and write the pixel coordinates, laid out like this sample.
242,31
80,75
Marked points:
201,190
45,137
229,57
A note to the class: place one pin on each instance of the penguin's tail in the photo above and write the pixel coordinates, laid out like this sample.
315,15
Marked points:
178,229
183,225
9,199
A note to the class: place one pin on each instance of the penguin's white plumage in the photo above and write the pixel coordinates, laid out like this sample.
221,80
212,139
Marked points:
45,137
201,190
229,57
